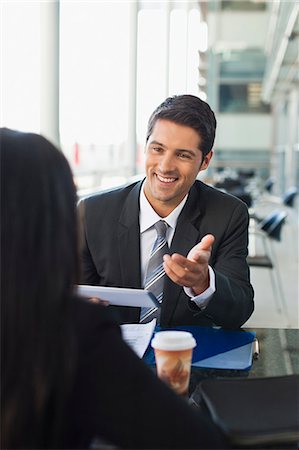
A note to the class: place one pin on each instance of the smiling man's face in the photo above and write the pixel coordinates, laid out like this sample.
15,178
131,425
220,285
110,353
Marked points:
173,160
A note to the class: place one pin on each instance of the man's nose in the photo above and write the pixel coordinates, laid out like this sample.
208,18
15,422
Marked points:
166,163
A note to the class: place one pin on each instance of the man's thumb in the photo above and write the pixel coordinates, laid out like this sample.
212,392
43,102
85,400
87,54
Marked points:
205,244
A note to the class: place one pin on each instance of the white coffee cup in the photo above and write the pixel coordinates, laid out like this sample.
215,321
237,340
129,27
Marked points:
173,354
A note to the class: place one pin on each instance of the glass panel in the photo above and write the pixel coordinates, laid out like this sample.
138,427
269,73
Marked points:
94,89
155,47
178,54
20,66
249,63
197,40
187,35
151,71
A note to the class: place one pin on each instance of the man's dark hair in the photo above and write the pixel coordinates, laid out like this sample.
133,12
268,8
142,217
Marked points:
190,111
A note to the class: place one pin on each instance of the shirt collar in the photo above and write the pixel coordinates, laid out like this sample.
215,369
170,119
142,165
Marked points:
148,216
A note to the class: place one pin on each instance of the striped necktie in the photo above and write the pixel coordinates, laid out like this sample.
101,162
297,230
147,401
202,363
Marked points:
155,273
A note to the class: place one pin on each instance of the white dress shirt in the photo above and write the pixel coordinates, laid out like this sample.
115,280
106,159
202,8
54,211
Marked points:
147,219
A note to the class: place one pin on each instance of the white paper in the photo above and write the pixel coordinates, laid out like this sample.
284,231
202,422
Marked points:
138,335
120,296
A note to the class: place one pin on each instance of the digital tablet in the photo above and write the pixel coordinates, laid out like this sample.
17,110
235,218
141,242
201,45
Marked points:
120,296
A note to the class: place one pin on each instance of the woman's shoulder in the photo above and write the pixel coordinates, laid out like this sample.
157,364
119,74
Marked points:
91,319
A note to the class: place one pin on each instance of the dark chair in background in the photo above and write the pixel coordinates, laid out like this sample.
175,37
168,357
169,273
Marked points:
287,200
236,187
266,221
269,230
289,197
269,185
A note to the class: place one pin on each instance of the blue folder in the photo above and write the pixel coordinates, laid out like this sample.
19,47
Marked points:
216,348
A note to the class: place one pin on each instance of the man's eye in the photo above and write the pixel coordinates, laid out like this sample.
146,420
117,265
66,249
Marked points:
184,155
157,149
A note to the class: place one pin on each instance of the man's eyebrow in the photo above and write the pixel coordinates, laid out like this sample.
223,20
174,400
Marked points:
157,143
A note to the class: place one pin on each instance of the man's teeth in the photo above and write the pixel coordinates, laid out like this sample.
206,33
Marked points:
166,180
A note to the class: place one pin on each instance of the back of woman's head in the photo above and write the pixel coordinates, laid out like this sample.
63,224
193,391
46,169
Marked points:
39,264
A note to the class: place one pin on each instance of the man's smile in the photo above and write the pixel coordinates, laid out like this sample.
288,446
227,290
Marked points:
163,179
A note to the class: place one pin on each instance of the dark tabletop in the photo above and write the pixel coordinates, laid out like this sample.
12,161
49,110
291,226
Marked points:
278,355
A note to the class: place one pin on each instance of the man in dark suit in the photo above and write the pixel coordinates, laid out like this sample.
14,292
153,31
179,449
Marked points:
207,276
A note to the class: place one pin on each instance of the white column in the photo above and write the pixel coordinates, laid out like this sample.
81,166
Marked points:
167,35
131,137
49,60
292,137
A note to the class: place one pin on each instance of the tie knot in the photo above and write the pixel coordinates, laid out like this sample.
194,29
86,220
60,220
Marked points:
161,228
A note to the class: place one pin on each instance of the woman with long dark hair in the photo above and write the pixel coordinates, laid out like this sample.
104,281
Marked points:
67,377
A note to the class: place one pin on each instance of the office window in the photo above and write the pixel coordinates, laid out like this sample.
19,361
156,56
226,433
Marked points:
151,70
168,43
241,97
94,39
20,66
95,101
185,41
243,5
246,64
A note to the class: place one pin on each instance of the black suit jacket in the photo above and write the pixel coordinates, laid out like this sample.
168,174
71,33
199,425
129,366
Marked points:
111,252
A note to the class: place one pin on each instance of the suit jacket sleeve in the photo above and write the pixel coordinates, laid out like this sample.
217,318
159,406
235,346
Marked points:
232,303
88,271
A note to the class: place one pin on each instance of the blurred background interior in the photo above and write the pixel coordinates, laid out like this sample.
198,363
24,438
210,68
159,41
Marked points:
88,74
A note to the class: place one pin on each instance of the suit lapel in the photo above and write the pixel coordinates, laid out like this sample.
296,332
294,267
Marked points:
128,240
186,235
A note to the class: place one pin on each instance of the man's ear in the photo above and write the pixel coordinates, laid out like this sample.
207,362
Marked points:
206,160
